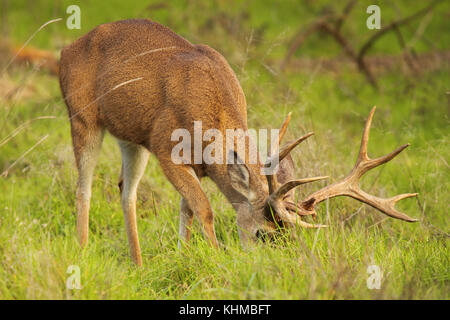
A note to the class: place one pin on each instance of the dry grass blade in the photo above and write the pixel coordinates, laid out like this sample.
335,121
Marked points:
5,172
16,131
29,39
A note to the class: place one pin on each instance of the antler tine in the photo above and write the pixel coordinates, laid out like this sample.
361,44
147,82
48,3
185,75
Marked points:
294,219
365,138
281,191
272,179
298,209
363,162
368,164
281,133
286,149
389,205
349,185
395,199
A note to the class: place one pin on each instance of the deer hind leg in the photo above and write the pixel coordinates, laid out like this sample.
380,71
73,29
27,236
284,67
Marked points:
134,161
186,217
184,179
87,145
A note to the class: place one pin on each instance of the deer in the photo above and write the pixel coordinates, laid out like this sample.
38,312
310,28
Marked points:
139,81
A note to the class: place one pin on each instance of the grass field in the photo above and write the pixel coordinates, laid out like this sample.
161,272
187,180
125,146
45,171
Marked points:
37,208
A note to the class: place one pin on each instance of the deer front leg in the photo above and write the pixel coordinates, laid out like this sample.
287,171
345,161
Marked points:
184,179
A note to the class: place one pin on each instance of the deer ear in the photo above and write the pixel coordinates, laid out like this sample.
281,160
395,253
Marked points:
239,175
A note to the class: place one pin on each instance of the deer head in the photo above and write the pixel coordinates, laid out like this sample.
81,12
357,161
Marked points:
279,207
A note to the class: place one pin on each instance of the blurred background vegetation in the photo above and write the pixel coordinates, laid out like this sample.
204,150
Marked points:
299,56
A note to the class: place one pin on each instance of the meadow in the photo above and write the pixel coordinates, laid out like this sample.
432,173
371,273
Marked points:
325,93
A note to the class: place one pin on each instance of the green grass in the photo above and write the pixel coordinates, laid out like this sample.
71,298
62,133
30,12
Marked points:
37,209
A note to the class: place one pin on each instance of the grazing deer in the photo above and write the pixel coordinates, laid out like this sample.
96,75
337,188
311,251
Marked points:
141,81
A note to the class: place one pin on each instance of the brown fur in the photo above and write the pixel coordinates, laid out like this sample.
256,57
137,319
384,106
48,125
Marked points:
178,83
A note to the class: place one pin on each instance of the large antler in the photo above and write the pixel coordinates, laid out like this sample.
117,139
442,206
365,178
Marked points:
349,186
277,192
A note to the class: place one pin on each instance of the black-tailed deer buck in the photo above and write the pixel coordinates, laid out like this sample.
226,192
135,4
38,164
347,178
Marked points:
141,81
